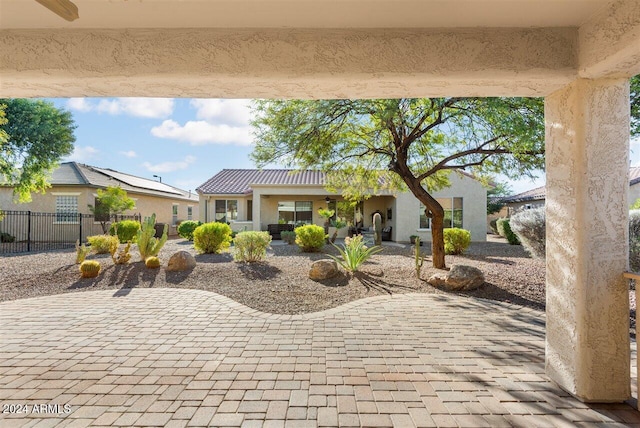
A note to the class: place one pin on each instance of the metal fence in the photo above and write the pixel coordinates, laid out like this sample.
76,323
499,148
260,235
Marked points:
25,231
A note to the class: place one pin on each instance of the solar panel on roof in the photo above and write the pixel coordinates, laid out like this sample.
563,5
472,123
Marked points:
142,183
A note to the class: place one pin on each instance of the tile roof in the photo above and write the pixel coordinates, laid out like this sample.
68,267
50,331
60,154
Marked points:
77,174
539,193
239,181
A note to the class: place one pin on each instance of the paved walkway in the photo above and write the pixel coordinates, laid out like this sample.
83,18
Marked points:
164,357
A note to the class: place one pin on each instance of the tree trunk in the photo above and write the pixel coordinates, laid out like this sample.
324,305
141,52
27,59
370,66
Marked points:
437,240
433,210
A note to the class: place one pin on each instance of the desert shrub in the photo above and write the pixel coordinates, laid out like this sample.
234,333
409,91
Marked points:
288,236
89,269
127,230
148,244
81,252
310,237
456,240
102,244
504,229
121,256
7,237
251,246
212,237
529,226
494,226
186,228
354,253
634,240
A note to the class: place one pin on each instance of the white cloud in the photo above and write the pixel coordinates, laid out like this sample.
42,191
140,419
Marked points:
139,107
170,166
156,108
233,112
129,154
198,133
79,104
82,154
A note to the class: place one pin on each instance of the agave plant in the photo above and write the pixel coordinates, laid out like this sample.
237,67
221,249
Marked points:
354,253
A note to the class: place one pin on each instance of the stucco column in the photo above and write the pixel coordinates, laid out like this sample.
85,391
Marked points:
257,199
587,161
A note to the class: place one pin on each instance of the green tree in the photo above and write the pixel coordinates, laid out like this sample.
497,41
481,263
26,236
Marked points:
635,105
34,136
112,200
494,193
365,145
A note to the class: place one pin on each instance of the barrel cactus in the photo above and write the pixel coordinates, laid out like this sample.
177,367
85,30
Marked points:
152,262
377,228
89,268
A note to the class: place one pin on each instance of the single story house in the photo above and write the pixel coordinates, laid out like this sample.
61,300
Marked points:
535,198
74,187
252,199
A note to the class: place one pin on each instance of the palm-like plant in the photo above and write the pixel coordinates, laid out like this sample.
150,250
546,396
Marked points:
354,253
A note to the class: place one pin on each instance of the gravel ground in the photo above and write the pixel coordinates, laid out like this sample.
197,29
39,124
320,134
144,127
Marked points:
280,283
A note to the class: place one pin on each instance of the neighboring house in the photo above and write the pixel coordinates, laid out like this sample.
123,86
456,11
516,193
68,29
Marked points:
251,199
535,198
74,187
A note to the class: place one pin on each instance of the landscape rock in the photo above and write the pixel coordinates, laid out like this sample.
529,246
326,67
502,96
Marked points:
323,269
459,278
181,261
438,279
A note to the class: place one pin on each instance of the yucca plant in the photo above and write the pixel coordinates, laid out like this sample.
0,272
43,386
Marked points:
354,253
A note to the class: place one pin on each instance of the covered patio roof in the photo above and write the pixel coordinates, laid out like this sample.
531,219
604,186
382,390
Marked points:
578,54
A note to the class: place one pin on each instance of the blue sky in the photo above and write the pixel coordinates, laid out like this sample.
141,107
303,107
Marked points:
184,141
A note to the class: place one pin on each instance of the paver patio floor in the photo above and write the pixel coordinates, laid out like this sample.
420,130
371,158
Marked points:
164,357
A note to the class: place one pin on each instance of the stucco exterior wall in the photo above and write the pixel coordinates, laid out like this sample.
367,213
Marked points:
634,193
474,210
145,204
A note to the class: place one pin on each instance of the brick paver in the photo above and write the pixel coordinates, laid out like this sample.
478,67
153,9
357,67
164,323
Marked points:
192,358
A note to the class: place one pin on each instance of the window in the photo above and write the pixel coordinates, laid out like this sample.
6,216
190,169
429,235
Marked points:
226,210
291,212
174,214
189,213
250,210
66,209
452,213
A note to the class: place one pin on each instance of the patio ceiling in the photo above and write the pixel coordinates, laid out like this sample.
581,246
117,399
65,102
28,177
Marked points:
305,14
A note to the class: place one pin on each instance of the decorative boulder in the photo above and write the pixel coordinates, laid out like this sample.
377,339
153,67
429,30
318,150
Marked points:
181,261
462,278
459,278
323,269
438,279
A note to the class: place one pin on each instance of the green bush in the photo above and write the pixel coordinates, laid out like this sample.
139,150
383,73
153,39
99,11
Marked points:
127,230
530,228
212,237
504,229
251,246
288,236
186,229
354,253
310,237
634,240
7,237
456,240
102,244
